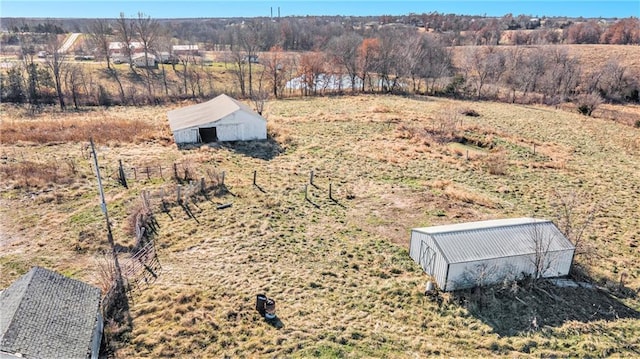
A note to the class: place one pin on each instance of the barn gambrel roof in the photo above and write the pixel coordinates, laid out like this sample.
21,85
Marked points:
206,112
474,241
47,315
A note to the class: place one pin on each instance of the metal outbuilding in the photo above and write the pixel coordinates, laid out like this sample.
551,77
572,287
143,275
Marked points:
220,119
466,255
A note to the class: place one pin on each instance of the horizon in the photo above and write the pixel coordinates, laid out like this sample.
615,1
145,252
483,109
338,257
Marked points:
194,9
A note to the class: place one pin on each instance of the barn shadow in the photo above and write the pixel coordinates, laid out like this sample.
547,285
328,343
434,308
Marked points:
261,149
524,307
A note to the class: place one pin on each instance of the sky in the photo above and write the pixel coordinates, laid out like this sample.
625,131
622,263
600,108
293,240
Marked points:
254,8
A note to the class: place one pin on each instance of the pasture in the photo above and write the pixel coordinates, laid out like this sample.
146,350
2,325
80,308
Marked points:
338,269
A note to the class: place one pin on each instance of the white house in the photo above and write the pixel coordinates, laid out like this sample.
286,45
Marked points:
139,60
180,50
44,314
473,254
220,119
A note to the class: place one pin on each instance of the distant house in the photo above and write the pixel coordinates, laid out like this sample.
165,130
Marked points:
139,60
466,255
250,58
44,314
117,49
220,119
183,50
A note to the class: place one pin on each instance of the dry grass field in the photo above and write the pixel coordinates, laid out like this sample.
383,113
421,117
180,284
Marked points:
339,270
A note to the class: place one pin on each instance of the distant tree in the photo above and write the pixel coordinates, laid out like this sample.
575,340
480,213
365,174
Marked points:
99,33
125,34
73,79
368,52
310,69
12,88
56,61
622,32
275,66
583,33
484,65
147,31
163,52
343,50
561,77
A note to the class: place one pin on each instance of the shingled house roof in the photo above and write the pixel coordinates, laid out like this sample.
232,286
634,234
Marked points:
47,315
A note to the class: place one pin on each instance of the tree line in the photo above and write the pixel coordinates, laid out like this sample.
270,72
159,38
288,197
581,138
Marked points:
380,59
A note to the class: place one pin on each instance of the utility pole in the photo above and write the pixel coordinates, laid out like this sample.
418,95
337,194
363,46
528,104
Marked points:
103,205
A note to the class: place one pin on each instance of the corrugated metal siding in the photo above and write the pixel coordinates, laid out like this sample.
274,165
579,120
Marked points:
506,247
503,241
425,252
494,271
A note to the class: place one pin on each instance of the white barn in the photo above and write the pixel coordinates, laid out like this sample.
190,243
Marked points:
466,255
220,119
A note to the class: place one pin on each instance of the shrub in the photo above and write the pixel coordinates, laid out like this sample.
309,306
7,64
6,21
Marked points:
497,164
587,103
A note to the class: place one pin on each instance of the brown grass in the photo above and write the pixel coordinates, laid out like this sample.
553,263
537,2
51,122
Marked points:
340,272
104,130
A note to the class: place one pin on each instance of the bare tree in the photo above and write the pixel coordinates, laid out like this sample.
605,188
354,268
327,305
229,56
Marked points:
275,65
125,35
310,69
56,61
367,56
147,31
99,33
484,65
73,78
344,52
561,77
239,61
575,213
541,241
164,54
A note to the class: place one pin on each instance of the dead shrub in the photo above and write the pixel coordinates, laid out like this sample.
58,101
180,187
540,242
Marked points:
587,103
279,134
497,164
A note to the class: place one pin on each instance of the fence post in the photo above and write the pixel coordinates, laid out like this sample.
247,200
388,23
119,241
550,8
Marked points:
202,185
160,167
178,194
123,178
534,148
467,155
306,197
330,196
175,171
255,173
222,184
148,173
311,178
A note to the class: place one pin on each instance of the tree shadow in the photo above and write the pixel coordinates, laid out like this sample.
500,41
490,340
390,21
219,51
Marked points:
262,149
526,307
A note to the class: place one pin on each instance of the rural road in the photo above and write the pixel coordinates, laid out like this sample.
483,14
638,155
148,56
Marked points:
68,43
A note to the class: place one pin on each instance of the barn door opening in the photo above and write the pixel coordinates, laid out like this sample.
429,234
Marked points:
208,135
